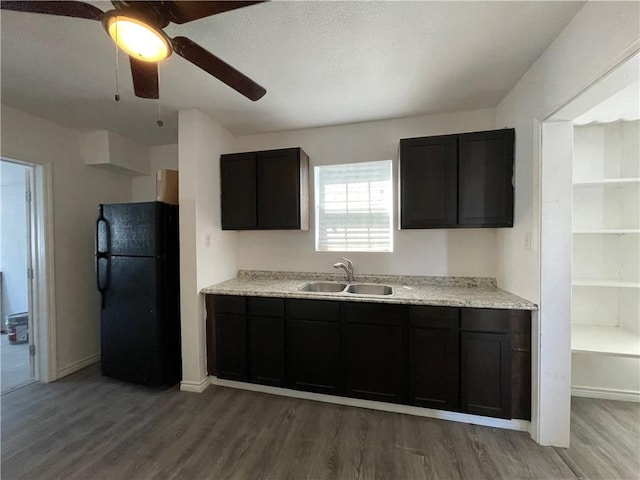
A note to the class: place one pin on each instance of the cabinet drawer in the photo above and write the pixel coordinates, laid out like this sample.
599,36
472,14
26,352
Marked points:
266,307
485,320
433,317
314,310
374,313
230,304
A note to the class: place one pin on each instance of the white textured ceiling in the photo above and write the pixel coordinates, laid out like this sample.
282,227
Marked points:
322,63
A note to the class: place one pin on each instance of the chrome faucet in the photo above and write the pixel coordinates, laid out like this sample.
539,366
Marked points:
347,267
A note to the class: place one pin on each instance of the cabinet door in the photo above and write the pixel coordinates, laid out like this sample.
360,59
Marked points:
211,334
238,186
434,368
374,362
231,346
434,357
266,339
313,355
428,182
485,374
485,189
278,176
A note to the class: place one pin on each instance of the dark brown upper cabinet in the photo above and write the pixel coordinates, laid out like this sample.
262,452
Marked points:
239,191
457,181
429,182
266,190
485,179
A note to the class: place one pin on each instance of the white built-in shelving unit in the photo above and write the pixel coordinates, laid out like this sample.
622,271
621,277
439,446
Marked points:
606,239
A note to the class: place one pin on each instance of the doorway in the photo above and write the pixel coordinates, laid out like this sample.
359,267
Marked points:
17,340
605,331
590,206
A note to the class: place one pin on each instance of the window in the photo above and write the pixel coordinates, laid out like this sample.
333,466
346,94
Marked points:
353,207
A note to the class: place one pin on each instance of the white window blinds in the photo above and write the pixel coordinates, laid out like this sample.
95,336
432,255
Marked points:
353,207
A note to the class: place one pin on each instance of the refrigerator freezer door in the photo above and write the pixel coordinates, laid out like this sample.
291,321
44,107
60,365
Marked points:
132,334
132,229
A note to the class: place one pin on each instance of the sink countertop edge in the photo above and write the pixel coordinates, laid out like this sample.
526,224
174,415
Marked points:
434,295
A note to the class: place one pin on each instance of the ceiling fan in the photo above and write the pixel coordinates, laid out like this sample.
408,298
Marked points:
136,27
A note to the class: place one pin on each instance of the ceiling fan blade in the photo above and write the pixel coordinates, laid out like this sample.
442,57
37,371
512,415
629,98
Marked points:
224,72
63,9
145,78
186,11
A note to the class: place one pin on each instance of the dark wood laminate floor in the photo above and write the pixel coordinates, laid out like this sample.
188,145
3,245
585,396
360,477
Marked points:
88,427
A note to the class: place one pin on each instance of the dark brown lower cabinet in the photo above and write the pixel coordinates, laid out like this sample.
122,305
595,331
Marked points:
374,358
485,368
434,357
460,359
485,361
313,355
266,342
433,368
231,346
374,362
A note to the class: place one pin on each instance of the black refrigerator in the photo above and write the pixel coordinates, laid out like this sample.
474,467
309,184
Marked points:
137,269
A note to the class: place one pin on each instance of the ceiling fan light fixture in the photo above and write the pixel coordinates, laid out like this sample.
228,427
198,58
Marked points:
137,38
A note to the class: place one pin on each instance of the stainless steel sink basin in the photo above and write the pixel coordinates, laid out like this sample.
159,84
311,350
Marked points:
370,289
326,287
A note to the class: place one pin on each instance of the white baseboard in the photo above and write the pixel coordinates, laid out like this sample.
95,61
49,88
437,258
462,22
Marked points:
74,367
195,387
522,425
606,393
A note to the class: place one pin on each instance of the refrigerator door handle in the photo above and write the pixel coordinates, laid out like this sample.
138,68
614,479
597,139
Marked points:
102,254
102,288
107,234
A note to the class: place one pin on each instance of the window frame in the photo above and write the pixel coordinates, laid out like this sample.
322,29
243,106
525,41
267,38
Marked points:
320,243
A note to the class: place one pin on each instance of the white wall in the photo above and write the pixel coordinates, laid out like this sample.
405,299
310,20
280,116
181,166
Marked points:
77,190
460,252
553,358
13,239
604,374
160,158
200,143
598,38
115,153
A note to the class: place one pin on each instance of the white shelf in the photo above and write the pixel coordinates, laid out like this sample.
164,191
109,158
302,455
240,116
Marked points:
604,341
580,282
607,231
606,181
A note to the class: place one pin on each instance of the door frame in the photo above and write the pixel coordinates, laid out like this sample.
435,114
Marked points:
41,261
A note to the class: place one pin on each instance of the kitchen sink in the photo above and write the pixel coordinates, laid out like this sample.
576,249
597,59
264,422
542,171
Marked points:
326,287
370,289
351,288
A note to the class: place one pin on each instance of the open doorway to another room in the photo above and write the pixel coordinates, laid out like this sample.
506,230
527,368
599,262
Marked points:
17,339
590,226
605,330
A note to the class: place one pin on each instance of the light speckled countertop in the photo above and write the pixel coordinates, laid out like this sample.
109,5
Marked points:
474,292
